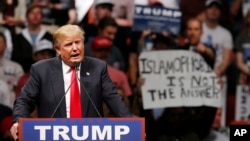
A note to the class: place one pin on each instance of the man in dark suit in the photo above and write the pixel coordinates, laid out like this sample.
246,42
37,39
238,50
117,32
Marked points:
50,80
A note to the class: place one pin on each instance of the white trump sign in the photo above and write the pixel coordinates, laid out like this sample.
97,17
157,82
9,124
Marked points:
177,78
242,109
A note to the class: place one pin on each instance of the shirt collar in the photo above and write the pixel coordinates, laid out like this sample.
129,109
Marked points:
66,68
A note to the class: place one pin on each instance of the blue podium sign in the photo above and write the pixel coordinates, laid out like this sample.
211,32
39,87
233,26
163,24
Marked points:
82,129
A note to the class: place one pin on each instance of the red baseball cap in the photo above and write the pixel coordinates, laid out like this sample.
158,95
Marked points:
100,43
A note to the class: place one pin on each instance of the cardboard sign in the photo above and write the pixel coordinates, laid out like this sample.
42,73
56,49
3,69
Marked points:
242,110
177,78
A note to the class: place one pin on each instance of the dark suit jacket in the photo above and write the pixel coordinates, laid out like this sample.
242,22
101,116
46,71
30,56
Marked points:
45,88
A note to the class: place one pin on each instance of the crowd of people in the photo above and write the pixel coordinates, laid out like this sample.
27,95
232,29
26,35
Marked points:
218,30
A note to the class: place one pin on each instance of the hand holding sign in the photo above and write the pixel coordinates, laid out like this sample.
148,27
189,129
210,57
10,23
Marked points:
14,131
146,33
200,48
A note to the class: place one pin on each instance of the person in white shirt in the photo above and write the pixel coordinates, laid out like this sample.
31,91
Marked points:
217,36
221,40
10,71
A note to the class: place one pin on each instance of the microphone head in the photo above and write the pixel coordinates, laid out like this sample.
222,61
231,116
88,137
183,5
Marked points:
76,65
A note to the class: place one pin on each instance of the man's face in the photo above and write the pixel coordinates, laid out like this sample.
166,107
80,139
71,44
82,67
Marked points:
217,120
213,13
2,45
71,49
35,16
44,54
108,32
194,32
102,54
102,11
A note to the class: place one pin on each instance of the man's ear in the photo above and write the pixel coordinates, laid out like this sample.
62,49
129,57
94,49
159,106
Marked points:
58,52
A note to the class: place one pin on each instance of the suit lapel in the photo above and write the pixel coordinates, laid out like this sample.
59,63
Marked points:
85,81
58,86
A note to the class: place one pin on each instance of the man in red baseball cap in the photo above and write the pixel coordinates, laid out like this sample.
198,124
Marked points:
101,47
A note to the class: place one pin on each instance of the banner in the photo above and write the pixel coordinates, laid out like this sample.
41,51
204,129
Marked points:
82,129
242,111
177,78
156,18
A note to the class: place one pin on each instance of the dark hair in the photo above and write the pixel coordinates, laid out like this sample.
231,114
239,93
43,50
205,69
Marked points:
4,5
168,41
2,35
107,21
105,5
31,8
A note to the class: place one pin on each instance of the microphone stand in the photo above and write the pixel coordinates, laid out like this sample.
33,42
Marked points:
85,91
57,106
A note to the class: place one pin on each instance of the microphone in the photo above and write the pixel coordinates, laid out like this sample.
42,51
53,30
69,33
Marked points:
76,65
85,91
